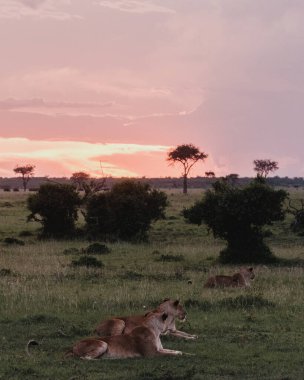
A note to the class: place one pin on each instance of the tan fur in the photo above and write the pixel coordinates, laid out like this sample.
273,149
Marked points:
142,341
240,279
124,325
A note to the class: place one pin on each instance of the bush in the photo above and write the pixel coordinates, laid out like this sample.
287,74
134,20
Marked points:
25,233
10,240
237,216
97,249
87,261
126,212
170,258
57,207
71,251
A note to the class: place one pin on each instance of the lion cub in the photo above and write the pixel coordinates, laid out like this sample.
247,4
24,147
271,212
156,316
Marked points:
124,325
142,341
240,279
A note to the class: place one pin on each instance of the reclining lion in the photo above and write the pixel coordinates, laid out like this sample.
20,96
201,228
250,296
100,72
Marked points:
124,325
240,279
142,341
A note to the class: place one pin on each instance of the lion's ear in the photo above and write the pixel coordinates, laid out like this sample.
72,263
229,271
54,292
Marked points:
176,303
164,316
250,269
165,300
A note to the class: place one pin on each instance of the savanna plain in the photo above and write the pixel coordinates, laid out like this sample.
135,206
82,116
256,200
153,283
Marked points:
255,333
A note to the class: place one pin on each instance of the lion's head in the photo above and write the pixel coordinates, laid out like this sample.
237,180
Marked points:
248,273
157,321
173,308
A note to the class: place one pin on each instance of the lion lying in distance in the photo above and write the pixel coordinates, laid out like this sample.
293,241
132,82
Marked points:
124,325
142,341
240,279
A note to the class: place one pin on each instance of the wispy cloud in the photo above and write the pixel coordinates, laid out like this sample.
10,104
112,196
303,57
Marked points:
32,3
135,6
73,155
37,103
41,9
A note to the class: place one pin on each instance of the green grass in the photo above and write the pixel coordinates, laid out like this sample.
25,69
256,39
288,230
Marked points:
254,333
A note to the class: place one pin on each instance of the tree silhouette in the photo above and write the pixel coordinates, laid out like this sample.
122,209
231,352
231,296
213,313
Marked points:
264,167
26,172
79,179
210,174
187,155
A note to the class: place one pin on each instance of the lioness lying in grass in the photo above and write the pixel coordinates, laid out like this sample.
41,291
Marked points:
142,341
124,325
240,279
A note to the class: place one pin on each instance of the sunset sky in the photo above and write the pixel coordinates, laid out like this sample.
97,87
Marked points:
86,84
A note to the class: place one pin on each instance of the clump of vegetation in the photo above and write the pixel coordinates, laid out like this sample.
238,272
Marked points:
25,233
71,251
10,240
170,258
126,212
6,204
131,275
297,225
155,252
245,302
238,215
55,207
87,261
7,272
97,249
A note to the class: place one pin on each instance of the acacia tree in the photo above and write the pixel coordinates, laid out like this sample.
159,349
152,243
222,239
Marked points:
264,167
210,174
79,179
83,181
26,172
187,155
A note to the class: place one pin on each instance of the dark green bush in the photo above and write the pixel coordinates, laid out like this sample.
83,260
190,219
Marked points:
10,240
87,261
97,249
25,233
238,215
125,212
170,258
55,207
7,272
71,251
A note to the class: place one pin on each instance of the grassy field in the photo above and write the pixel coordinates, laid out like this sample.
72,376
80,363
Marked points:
255,333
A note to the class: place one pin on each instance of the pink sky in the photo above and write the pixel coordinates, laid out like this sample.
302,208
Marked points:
120,82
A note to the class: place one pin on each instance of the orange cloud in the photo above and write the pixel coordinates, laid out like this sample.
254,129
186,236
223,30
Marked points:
61,158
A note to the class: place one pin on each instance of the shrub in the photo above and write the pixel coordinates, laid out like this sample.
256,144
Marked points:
87,261
125,212
57,207
25,233
237,215
7,272
10,240
97,249
170,258
71,251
